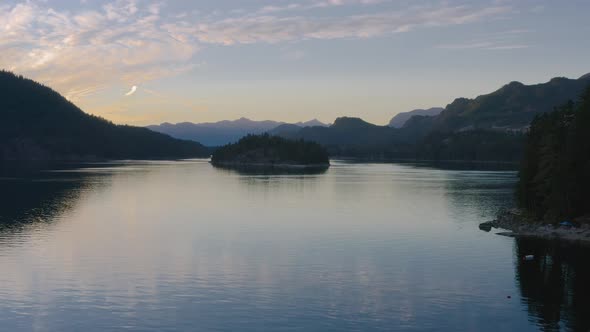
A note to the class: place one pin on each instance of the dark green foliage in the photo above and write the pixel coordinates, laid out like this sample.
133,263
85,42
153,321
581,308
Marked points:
267,149
512,106
352,137
38,123
555,172
473,145
487,128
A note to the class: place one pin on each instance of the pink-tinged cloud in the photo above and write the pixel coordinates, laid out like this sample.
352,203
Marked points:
80,51
275,29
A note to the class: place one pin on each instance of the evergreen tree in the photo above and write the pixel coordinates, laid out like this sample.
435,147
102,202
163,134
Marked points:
555,172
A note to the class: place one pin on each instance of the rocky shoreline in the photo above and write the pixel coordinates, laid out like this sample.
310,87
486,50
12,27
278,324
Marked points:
517,224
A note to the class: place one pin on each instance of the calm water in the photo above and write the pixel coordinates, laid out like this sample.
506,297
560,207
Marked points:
168,246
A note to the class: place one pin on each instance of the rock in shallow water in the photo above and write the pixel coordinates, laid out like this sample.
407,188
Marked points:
486,226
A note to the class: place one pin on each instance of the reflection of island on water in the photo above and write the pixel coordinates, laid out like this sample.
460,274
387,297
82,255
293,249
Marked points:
31,194
555,285
272,170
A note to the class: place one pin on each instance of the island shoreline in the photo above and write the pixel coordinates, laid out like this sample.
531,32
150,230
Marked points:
270,165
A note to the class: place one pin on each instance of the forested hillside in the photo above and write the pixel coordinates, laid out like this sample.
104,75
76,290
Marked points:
39,124
491,127
555,174
511,107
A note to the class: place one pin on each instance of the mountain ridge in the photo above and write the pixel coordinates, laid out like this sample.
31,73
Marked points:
40,124
223,132
400,119
488,127
512,107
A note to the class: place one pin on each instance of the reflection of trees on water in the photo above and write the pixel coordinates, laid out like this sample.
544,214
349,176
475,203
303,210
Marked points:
33,195
442,165
479,194
269,170
556,285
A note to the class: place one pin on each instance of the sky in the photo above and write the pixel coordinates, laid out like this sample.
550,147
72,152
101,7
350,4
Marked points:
145,62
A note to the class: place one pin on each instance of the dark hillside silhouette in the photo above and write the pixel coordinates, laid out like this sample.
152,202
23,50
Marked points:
512,107
271,150
400,119
555,173
40,124
490,127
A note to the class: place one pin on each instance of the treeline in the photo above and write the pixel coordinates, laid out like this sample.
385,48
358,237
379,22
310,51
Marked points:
555,173
272,150
353,137
472,145
488,128
38,123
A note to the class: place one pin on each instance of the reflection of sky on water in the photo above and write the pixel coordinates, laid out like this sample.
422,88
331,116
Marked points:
185,245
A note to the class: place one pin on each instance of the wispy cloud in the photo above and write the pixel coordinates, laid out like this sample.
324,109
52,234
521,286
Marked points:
502,40
483,46
80,52
301,6
274,29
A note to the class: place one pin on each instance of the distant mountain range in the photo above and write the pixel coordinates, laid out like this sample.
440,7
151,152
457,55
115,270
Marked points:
39,124
224,132
350,136
400,119
488,127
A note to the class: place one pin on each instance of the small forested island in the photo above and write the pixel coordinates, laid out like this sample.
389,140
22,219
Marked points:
553,191
271,151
